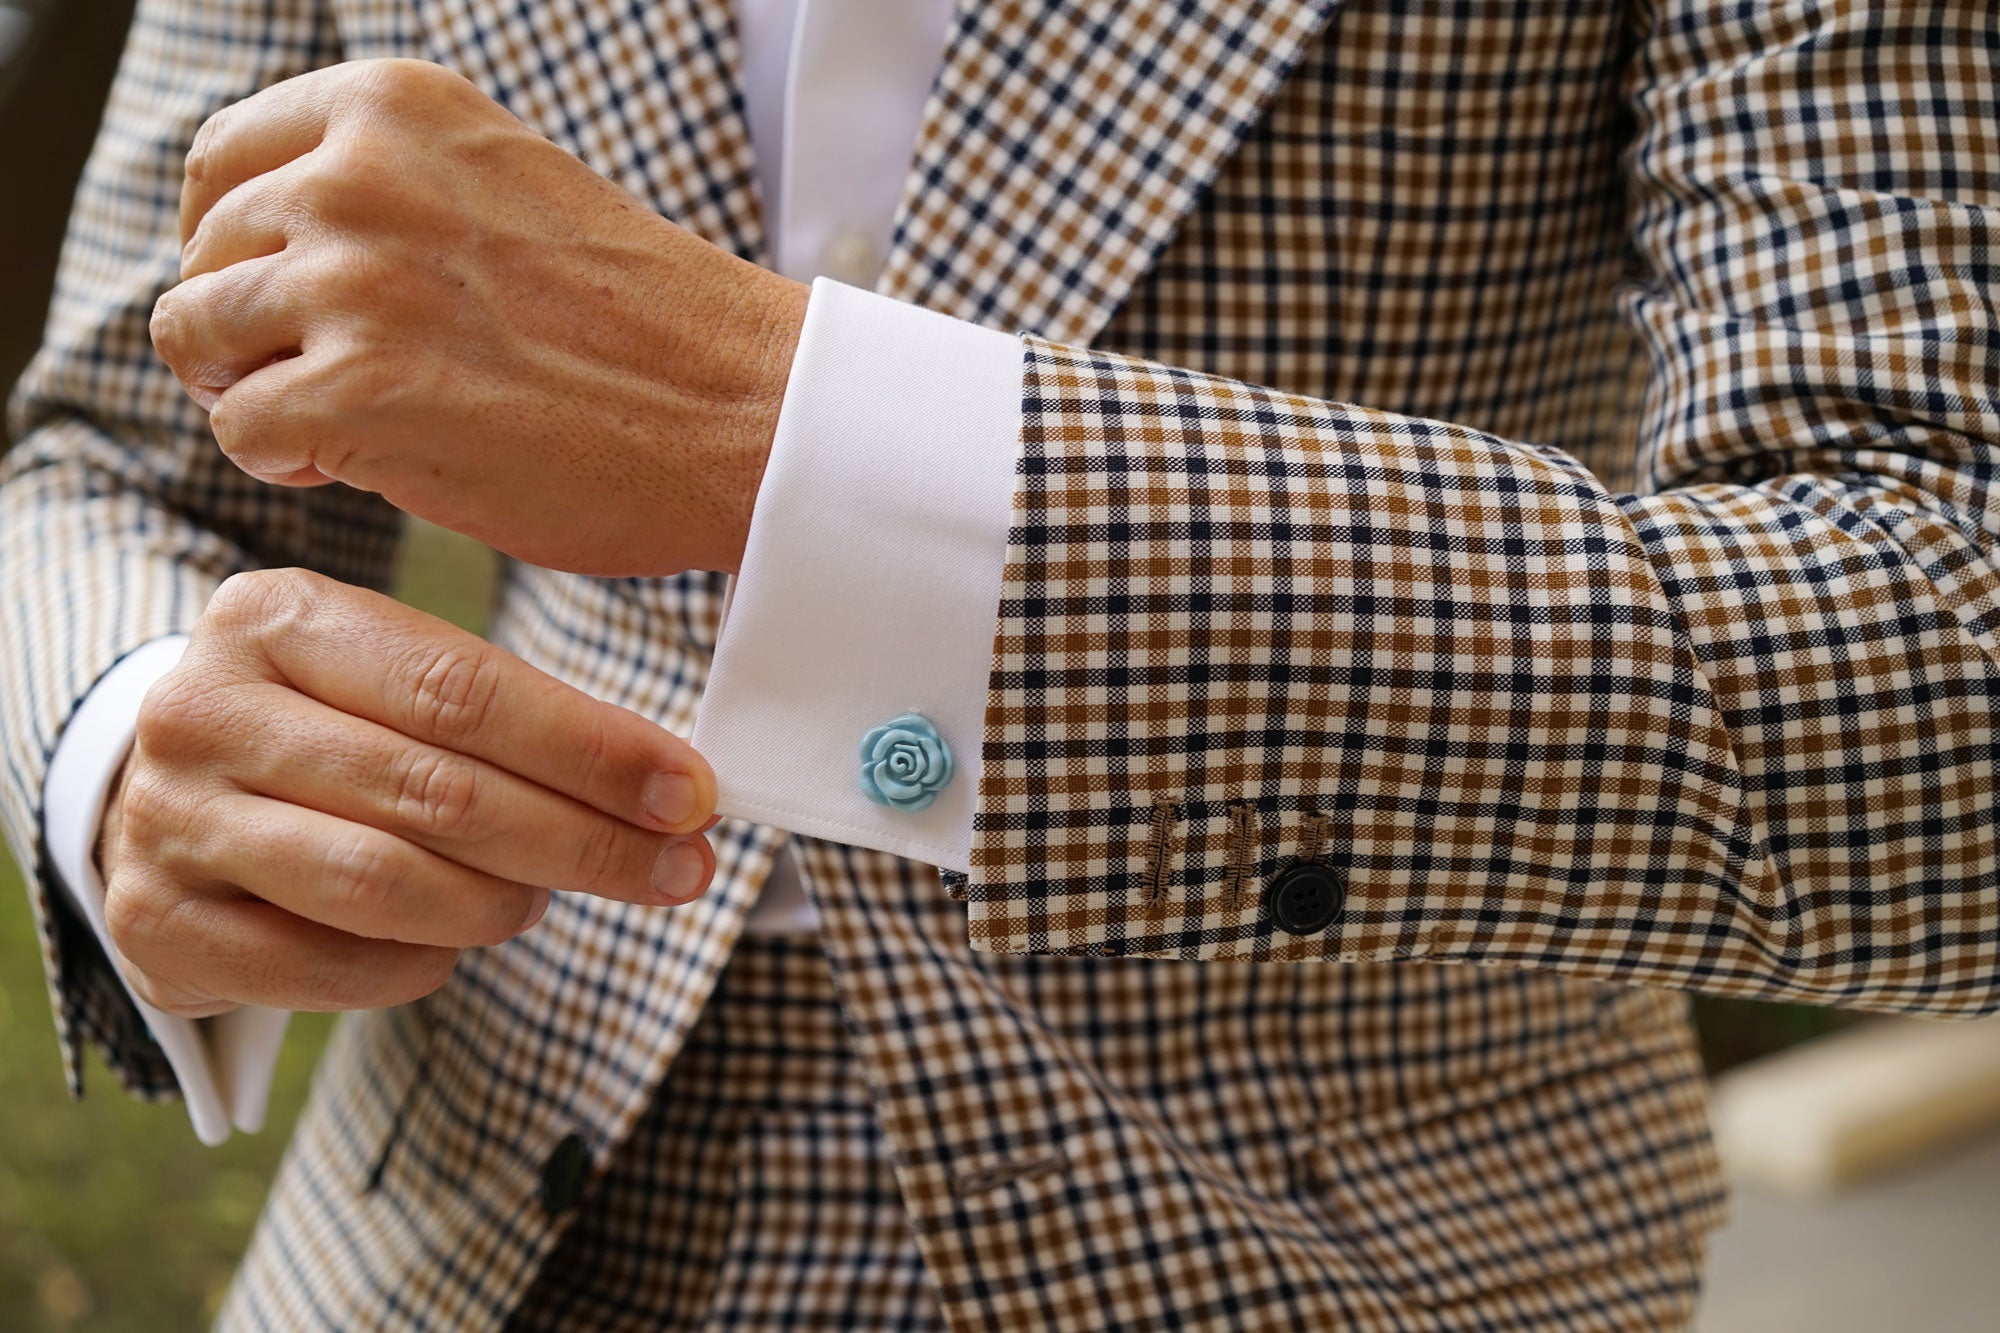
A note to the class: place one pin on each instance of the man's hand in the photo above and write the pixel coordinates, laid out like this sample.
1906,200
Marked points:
332,794
391,282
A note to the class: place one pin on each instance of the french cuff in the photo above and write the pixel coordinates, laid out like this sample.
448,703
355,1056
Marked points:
847,698
224,1065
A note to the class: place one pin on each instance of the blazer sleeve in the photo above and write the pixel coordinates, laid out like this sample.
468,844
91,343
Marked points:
118,513
1734,733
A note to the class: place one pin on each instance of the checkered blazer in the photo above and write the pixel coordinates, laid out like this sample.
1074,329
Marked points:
1531,459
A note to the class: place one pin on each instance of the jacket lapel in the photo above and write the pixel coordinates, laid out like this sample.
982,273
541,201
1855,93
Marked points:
1064,142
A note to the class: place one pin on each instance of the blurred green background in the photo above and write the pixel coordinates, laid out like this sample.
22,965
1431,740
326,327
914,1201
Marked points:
112,1217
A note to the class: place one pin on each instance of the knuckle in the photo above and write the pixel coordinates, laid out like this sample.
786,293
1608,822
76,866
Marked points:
365,376
335,273
597,751
343,167
168,326
437,793
144,986
141,921
151,925
601,856
406,84
246,600
133,916
200,166
323,985
147,808
262,603
360,877
457,693
177,709
253,430
232,428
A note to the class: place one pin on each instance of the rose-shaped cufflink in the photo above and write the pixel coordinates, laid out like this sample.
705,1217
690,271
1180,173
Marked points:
905,764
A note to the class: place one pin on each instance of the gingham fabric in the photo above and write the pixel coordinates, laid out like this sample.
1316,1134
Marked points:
1111,1143
1427,211
755,1194
1735,732
1078,1143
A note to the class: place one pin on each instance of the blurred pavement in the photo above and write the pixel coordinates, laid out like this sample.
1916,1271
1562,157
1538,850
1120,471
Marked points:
1915,1252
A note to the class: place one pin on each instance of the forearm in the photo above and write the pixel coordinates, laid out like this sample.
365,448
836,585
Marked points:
1705,739
1734,735
1672,740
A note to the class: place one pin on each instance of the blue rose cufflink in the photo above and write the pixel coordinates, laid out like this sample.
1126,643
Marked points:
905,764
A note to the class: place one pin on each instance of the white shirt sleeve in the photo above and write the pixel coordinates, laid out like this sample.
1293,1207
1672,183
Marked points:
224,1065
870,584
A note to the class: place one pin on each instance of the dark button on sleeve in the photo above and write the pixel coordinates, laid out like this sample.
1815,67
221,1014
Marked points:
1305,899
564,1174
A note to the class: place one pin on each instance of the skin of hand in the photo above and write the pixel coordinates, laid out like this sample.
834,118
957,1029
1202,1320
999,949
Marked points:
332,794
390,281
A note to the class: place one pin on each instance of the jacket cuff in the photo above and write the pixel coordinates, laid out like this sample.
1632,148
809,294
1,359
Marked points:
870,586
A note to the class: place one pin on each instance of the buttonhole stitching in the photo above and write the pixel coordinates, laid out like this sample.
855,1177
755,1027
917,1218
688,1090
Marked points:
983,1179
1159,849
1240,858
1314,836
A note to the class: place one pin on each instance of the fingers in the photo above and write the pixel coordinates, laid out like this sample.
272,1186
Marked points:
371,657
198,953
253,220
295,749
216,328
356,879
257,135
264,421
288,120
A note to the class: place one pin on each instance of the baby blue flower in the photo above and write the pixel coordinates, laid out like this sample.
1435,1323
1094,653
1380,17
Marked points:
905,764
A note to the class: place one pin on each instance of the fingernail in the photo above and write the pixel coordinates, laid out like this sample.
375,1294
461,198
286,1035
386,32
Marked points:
670,798
538,909
677,874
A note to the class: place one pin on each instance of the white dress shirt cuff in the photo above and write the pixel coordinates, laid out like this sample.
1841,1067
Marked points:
870,584
224,1065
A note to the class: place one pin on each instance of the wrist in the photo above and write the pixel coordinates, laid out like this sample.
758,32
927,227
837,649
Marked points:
771,326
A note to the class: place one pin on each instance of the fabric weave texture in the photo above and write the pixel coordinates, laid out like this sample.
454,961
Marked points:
1537,458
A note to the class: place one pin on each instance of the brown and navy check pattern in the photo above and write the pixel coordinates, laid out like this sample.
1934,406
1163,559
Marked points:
1734,732
1723,731
756,1195
1122,1143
